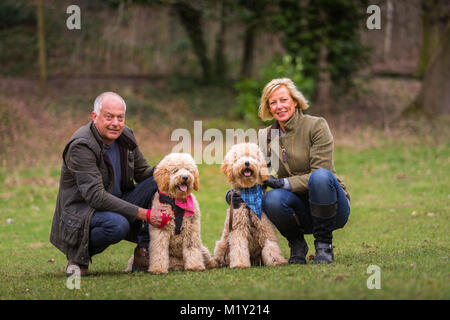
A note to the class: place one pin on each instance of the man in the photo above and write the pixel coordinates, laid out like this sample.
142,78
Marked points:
98,203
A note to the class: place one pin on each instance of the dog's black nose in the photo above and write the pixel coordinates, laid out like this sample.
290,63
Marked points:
247,163
184,178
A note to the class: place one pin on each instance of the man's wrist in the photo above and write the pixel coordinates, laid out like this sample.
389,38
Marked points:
142,214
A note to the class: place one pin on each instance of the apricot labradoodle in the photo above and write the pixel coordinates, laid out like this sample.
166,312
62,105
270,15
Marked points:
177,245
248,238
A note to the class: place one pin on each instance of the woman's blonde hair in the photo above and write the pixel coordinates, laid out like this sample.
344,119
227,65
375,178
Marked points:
264,109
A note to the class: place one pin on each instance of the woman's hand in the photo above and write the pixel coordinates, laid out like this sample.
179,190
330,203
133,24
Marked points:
274,183
237,200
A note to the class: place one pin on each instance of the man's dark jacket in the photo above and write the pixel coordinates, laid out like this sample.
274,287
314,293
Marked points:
86,184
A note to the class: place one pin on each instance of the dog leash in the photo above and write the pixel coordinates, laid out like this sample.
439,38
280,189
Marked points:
230,221
230,224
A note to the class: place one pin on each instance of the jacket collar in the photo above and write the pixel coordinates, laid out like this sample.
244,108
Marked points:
291,124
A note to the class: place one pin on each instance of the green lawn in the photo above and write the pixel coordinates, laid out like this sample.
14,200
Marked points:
399,222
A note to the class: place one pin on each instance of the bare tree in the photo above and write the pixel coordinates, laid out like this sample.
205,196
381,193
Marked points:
434,97
41,44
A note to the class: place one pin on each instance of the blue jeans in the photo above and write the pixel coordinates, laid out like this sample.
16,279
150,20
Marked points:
291,213
107,228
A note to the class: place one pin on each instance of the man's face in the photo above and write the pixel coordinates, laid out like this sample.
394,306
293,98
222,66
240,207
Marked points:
111,120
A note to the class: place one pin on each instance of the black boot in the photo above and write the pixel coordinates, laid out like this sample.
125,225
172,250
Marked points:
324,252
324,222
299,249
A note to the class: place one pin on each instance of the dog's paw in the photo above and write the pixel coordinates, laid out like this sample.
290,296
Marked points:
212,263
195,268
158,271
219,263
239,266
130,264
278,262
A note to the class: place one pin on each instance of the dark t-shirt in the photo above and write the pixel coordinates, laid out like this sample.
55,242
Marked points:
113,155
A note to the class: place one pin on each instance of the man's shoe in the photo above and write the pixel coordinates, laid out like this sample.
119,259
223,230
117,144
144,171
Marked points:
299,249
324,253
140,261
75,268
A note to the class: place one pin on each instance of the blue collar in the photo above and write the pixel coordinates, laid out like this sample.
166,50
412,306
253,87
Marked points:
253,198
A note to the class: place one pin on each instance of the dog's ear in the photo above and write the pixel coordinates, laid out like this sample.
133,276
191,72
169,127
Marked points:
227,169
161,176
196,181
264,171
224,166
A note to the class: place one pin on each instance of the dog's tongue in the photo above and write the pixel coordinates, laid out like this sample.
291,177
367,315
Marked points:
183,187
247,173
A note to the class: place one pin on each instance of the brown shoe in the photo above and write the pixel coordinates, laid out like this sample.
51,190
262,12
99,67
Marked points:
72,269
141,257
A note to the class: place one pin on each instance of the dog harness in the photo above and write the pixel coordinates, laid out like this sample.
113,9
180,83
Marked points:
179,207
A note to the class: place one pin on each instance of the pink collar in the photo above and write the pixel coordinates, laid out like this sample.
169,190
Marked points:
186,204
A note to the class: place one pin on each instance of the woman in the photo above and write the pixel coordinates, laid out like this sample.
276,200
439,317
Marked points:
307,197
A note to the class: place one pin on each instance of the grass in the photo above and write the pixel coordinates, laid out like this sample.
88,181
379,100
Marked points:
399,222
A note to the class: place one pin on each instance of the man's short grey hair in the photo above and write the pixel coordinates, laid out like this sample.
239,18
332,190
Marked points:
100,97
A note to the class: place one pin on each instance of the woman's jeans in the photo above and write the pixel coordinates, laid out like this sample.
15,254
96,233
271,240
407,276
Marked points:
291,214
107,228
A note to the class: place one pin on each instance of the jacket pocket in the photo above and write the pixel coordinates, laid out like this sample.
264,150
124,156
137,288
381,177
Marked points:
70,227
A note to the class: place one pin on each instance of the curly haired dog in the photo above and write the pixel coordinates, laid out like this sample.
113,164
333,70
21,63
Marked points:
247,239
177,245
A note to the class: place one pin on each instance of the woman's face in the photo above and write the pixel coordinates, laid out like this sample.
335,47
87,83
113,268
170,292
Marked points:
281,104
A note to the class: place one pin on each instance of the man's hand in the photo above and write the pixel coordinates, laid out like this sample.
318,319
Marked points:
159,215
274,183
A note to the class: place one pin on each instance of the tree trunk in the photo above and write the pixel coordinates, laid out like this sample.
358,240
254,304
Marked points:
323,81
324,76
41,45
434,97
191,19
388,34
220,59
248,53
255,14
432,14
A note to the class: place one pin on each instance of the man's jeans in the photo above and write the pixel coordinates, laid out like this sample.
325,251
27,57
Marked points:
107,228
285,209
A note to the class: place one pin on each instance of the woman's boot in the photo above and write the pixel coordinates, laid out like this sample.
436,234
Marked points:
299,249
324,222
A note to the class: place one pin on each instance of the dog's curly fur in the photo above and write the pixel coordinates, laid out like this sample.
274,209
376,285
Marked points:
251,241
184,251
